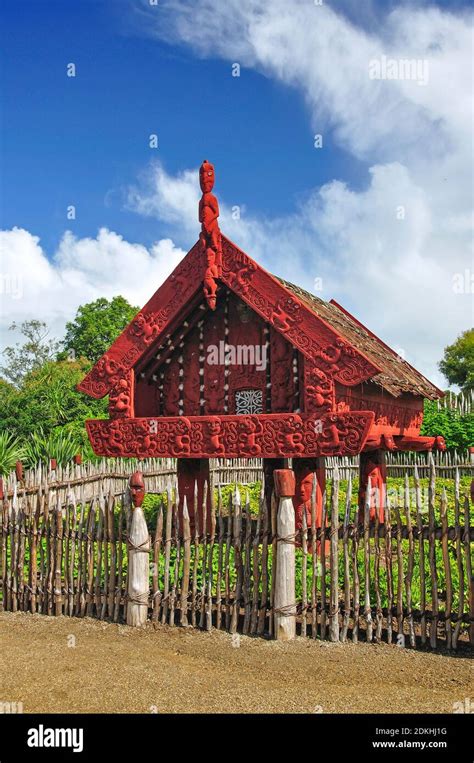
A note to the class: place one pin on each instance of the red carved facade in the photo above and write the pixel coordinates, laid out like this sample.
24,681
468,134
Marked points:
225,360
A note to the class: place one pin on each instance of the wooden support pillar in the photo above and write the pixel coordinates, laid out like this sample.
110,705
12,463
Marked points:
192,472
284,599
372,465
138,545
269,465
305,469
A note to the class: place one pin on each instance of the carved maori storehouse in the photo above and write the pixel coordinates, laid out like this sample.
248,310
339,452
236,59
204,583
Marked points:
227,360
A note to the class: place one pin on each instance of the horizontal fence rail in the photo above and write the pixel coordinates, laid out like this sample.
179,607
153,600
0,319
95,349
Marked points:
114,473
407,580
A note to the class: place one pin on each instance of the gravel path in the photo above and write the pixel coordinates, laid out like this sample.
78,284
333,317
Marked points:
113,668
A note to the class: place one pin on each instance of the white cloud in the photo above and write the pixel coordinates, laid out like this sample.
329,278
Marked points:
81,270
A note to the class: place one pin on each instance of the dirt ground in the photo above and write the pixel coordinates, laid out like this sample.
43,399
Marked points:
113,668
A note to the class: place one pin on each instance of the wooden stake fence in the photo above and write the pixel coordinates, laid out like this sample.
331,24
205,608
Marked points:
407,580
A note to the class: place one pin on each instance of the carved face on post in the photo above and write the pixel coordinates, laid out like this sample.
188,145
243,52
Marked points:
137,489
206,176
304,488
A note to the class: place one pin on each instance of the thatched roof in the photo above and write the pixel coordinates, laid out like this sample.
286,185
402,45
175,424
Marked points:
397,375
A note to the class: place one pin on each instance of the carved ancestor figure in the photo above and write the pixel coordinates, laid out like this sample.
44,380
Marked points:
305,470
210,236
319,391
138,543
215,432
373,467
120,399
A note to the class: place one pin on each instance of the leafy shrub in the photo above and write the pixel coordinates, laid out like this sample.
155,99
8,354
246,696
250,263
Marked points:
10,452
58,444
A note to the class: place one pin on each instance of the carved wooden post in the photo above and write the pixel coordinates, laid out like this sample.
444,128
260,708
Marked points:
284,601
138,556
334,559
192,473
372,467
305,469
269,465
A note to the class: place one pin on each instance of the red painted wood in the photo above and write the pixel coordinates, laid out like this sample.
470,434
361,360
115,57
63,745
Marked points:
210,236
191,379
372,465
148,327
291,317
137,489
147,399
121,398
245,338
319,390
194,472
284,483
371,333
171,391
264,436
260,290
305,469
319,393
269,465
389,442
281,364
401,415
214,376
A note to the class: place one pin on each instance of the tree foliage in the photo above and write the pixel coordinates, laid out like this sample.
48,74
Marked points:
456,428
457,364
96,325
48,399
23,358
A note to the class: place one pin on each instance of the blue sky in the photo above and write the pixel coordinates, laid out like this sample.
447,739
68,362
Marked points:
80,140
307,213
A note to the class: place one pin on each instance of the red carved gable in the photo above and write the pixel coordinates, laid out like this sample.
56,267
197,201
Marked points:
172,302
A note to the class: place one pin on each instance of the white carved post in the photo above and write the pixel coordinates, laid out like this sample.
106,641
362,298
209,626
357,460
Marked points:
284,601
138,556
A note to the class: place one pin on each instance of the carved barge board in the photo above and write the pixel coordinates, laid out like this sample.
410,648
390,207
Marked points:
260,436
261,291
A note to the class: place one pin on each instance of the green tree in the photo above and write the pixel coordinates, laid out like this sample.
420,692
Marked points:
456,428
96,325
458,362
25,357
48,399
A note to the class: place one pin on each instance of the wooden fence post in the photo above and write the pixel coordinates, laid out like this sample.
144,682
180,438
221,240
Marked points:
284,599
138,546
334,560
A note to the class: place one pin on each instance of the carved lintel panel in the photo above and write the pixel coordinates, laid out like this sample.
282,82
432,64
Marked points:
259,436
